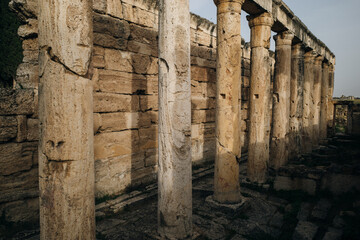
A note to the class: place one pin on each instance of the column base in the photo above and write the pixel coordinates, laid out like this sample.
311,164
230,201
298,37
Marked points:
233,207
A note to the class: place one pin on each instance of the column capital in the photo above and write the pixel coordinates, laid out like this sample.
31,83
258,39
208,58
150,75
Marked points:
331,67
261,19
217,2
325,65
319,60
309,56
284,38
297,50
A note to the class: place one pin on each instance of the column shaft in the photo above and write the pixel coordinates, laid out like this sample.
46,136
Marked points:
281,101
260,78
228,75
330,109
316,100
66,157
174,173
308,88
296,99
324,101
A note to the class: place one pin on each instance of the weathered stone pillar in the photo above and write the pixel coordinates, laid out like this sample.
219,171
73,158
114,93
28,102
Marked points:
308,88
228,75
281,100
324,101
260,78
296,99
316,100
66,157
330,118
174,173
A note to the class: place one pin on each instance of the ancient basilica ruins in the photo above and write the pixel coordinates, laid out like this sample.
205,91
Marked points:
116,94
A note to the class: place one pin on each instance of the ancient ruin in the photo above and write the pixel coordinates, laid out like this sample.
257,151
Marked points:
117,101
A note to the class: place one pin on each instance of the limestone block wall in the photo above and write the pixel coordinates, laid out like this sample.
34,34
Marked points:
124,74
19,127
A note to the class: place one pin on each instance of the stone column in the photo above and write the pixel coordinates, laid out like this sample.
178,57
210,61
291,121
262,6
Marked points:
260,78
324,101
228,77
174,173
316,100
281,100
296,99
330,109
308,88
66,155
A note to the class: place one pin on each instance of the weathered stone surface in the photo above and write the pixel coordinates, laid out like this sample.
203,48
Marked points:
259,121
32,129
119,121
29,30
118,60
121,82
321,209
114,8
305,231
25,9
174,173
316,93
281,104
110,32
203,74
228,76
20,185
21,128
288,183
15,157
19,101
115,144
110,102
66,37
333,234
8,128
296,100
304,211
22,211
324,101
307,104
66,150
27,75
112,175
340,183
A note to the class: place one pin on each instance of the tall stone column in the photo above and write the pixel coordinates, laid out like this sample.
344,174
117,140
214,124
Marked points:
307,104
174,173
330,110
66,157
316,100
296,99
324,101
228,77
260,78
281,100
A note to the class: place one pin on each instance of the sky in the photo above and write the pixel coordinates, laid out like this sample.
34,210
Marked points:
335,22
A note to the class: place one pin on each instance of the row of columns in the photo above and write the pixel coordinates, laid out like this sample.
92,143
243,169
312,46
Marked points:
300,100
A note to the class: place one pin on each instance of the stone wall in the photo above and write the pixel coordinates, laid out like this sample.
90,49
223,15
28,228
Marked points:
124,74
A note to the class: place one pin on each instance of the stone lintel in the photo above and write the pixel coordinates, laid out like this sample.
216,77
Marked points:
286,20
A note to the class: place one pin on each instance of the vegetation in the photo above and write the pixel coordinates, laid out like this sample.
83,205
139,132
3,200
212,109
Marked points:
10,45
